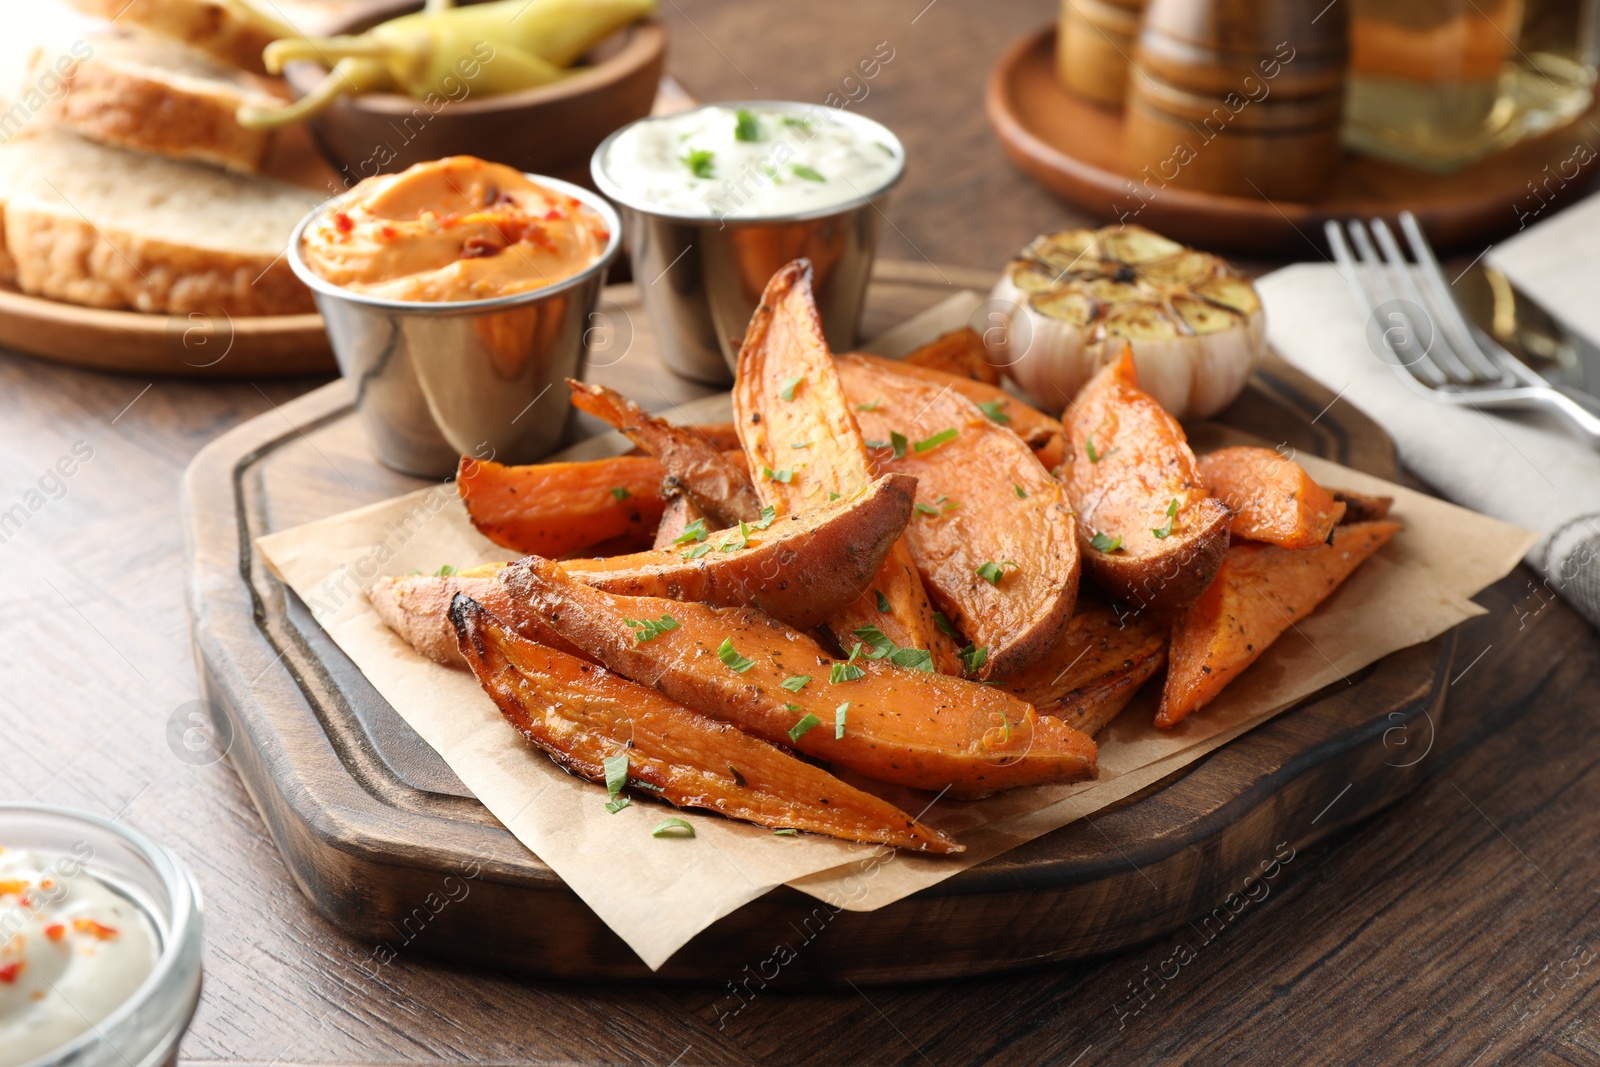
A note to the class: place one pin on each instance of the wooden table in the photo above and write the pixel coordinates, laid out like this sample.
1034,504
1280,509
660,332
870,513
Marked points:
1460,926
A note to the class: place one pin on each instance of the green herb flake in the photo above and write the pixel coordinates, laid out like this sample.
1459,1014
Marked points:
883,601
698,160
616,775
1101,543
928,444
795,682
1164,532
878,640
777,476
619,493
929,509
839,714
792,707
614,806
803,727
444,571
915,659
695,531
803,171
996,410
787,831
733,542
768,513
696,552
801,444
672,828
796,122
832,496
846,671
650,629
786,390
747,127
872,406
944,625
973,657
1022,494
731,658
993,572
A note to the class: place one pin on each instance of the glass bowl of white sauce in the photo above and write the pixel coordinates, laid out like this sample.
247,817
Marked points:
100,938
714,200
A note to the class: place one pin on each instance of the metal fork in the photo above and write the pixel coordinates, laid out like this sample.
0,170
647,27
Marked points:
1434,349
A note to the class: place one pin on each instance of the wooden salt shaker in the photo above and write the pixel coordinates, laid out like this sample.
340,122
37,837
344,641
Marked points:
1094,40
1238,97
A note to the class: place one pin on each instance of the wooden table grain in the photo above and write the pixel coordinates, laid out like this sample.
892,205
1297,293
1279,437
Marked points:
1459,927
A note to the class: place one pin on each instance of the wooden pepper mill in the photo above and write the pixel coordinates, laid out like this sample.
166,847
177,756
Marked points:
1094,40
1238,97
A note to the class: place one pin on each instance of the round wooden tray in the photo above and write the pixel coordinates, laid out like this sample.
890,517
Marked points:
1075,149
370,820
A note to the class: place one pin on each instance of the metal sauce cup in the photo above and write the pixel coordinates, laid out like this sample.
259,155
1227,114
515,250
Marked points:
435,381
701,275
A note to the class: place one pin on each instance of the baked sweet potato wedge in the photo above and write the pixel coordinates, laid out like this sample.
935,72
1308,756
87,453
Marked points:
679,513
1272,497
1260,592
556,509
802,569
895,723
1046,436
417,609
1150,533
582,715
805,450
1096,667
720,489
993,537
959,352
1360,507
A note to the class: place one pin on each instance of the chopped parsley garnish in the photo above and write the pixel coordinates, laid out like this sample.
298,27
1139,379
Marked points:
993,572
801,444
916,659
1164,532
795,682
929,509
768,513
940,506
747,127
1101,543
1022,494
731,658
614,806
777,476
928,444
803,727
650,629
786,390
883,601
996,410
870,407
787,831
832,496
944,625
838,719
973,657
796,121
695,531
616,768
695,552
733,542
699,162
846,671
792,707
880,642
619,493
897,441
883,647
444,571
803,171
1095,457
672,828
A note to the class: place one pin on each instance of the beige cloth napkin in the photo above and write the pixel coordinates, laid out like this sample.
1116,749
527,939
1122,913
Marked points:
1522,468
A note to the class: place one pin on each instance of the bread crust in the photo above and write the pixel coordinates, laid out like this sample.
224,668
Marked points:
206,24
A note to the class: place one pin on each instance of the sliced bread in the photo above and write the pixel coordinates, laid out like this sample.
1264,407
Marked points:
226,29
151,94
96,225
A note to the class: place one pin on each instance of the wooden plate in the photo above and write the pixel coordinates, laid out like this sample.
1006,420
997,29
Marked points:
1074,148
371,821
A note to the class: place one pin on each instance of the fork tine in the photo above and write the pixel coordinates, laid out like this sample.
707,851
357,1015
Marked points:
1410,357
1443,303
1441,348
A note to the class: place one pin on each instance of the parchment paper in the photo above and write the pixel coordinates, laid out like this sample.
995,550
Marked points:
657,893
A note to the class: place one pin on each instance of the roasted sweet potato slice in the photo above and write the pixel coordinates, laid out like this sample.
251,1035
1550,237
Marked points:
898,724
1359,507
1150,533
720,489
582,715
1272,497
1260,592
800,568
680,511
959,352
1043,434
417,608
993,537
556,509
722,436
1099,663
804,450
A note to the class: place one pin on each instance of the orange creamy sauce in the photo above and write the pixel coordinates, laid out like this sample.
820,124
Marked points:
454,229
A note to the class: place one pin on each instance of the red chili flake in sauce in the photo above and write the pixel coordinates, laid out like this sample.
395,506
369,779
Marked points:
10,971
343,223
89,926
387,233
55,931
449,219
479,248
554,214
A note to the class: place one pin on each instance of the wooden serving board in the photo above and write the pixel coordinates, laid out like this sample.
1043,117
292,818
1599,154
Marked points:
1074,149
371,821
